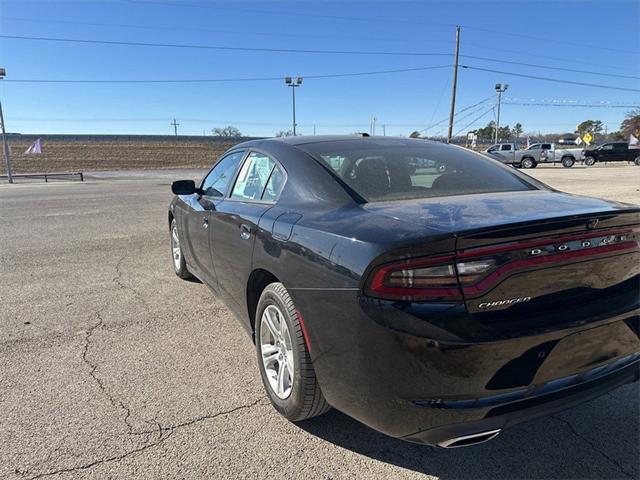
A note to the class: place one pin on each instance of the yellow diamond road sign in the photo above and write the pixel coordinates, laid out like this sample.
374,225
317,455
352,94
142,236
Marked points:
587,137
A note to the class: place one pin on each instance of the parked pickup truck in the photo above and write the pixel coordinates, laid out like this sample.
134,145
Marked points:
552,154
511,154
535,154
612,152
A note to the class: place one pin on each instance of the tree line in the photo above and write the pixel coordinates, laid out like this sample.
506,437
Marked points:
629,126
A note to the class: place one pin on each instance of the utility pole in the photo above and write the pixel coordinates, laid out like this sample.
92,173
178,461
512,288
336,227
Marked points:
5,147
454,86
372,128
175,127
314,130
384,130
293,83
500,87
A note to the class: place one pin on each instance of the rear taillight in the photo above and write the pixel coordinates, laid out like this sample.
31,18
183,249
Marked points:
473,272
429,279
433,278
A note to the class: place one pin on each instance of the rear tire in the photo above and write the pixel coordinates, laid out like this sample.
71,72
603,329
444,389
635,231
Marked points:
589,161
179,263
568,162
281,347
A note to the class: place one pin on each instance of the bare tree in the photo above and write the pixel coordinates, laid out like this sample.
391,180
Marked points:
284,133
226,132
631,124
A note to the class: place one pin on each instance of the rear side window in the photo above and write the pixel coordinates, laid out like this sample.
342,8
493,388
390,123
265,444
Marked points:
274,185
380,170
253,177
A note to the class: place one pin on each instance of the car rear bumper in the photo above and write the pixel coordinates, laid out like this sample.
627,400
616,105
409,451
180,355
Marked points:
508,410
410,378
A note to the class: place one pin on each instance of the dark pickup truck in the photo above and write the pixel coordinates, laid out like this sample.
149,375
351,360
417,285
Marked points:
612,152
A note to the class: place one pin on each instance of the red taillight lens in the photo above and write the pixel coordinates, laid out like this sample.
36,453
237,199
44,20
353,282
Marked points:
432,279
428,279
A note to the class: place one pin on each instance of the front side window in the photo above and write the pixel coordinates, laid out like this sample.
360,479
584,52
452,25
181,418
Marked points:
608,146
546,146
380,170
219,178
535,146
505,147
253,177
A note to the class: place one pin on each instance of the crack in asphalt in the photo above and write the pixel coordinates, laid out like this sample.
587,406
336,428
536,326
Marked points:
167,432
163,432
593,446
125,286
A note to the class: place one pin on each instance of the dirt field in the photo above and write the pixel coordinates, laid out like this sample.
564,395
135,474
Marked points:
64,155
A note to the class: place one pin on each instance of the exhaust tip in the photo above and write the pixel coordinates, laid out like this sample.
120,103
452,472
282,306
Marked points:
469,440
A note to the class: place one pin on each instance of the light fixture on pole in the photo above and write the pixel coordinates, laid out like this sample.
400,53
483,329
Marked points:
5,147
500,88
293,83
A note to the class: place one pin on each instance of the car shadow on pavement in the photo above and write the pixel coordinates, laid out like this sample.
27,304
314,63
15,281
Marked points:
547,448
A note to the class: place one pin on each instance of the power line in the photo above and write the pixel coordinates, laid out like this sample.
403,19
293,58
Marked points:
291,50
556,80
288,13
207,30
222,80
378,20
308,35
457,113
473,121
586,105
223,47
548,67
549,39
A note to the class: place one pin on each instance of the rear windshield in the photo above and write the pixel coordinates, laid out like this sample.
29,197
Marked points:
381,170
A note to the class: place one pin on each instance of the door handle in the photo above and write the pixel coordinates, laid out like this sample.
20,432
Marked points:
205,223
245,231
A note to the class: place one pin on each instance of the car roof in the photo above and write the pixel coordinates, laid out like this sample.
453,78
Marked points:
308,139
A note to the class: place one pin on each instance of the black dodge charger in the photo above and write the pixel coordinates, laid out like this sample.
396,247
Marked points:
427,291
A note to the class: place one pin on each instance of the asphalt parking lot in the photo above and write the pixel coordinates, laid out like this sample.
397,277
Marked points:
113,367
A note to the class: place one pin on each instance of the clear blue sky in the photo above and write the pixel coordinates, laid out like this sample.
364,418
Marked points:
402,101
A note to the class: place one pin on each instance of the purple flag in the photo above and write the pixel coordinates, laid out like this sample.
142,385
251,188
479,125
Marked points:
34,149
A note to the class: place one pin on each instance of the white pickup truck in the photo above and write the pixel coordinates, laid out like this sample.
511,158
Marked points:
552,154
534,154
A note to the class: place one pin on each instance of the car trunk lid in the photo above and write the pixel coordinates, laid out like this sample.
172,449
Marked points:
573,268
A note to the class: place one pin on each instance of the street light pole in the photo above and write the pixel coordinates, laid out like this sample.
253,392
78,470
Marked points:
500,87
5,147
293,83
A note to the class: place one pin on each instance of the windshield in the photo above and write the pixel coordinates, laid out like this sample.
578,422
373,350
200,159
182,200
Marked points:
396,169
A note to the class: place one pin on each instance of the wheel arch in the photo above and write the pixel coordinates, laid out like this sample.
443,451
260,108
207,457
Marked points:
258,280
170,217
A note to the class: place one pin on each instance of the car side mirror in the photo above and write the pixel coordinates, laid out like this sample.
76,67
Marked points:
184,187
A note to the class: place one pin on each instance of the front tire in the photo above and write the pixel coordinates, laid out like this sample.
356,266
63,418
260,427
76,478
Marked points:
283,358
528,163
568,162
589,161
179,263
637,161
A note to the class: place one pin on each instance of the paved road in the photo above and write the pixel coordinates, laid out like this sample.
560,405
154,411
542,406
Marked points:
112,367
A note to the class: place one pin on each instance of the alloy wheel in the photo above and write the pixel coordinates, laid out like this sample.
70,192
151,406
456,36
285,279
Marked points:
276,351
175,248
